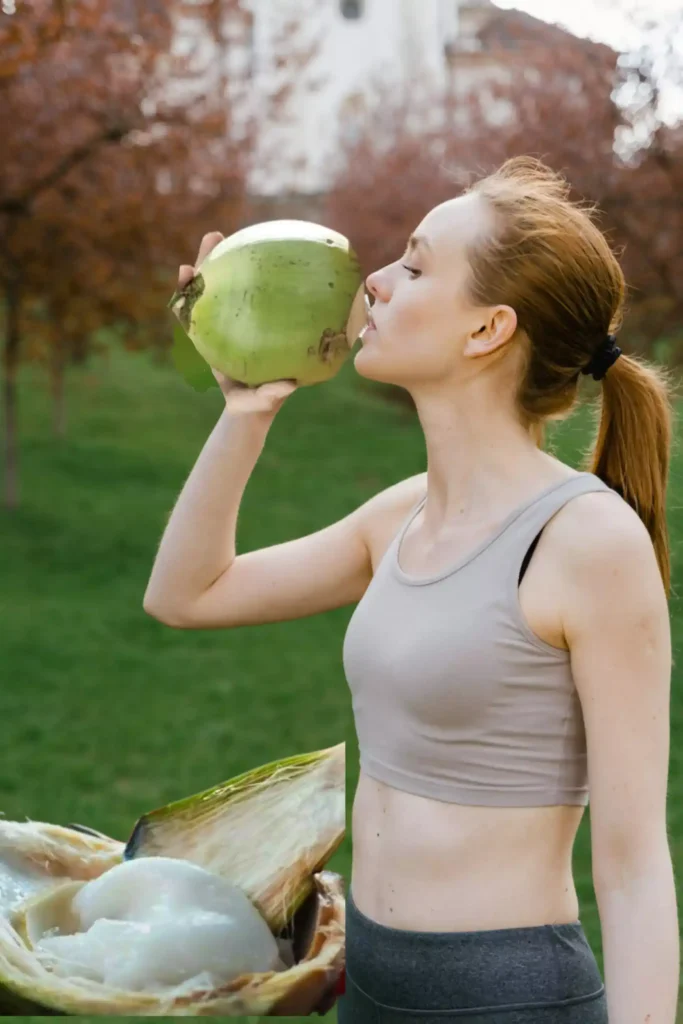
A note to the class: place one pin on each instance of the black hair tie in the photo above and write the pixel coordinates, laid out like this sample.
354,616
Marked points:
606,356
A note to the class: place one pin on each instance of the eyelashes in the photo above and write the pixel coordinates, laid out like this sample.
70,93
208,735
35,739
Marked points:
411,270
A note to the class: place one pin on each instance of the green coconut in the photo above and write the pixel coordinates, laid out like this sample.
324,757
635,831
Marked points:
268,832
281,300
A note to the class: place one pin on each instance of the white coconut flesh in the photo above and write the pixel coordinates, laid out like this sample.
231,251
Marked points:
152,923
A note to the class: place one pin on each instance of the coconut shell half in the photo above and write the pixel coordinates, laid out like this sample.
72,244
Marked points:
43,865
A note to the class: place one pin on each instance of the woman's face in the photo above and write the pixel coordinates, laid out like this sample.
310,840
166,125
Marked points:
425,329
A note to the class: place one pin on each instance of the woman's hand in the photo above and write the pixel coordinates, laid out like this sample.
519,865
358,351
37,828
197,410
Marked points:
268,398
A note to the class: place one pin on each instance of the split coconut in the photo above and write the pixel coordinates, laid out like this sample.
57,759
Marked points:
281,300
216,906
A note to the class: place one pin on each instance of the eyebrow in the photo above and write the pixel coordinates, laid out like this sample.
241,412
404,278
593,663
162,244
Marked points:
416,240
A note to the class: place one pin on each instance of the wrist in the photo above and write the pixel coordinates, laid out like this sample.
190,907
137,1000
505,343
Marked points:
248,424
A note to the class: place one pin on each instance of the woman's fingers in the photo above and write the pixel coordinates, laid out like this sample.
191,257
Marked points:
265,398
185,275
209,242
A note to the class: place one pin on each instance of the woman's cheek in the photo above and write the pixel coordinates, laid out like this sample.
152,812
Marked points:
411,309
415,314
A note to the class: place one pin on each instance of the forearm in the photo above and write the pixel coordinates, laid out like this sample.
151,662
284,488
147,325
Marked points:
639,924
198,543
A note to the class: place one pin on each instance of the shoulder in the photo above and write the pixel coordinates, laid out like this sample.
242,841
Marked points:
596,530
607,562
399,497
384,513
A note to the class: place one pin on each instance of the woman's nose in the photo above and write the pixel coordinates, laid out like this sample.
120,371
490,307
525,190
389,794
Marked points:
373,284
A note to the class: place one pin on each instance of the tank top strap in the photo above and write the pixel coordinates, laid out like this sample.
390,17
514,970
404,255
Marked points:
530,520
537,512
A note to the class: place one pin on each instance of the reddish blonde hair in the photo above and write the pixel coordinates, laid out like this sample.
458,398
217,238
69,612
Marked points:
548,260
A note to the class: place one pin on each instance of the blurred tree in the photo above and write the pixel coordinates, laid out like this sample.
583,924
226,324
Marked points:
531,88
102,180
127,133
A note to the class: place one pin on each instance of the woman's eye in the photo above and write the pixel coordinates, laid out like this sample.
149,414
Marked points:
411,270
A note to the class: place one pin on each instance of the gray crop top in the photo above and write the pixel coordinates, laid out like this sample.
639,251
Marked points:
454,697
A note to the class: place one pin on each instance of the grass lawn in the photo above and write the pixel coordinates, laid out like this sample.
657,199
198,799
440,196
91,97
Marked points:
104,712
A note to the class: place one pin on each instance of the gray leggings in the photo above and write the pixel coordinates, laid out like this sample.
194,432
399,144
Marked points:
536,975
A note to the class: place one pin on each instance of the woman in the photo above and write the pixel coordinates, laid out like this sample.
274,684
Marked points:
510,649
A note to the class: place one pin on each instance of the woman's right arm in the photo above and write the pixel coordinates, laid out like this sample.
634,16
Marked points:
198,544
198,581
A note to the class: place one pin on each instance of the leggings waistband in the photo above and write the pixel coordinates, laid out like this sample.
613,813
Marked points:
407,936
400,970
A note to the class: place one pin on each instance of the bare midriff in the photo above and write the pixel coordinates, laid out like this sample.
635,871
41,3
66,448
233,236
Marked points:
427,865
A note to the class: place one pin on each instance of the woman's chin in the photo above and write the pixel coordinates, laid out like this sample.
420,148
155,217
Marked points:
360,361
366,367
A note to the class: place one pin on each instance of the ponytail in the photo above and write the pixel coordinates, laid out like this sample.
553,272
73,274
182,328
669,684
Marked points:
632,447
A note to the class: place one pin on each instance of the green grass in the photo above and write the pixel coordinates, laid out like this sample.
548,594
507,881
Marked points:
106,713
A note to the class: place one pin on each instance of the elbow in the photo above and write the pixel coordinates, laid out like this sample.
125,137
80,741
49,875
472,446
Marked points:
642,859
161,614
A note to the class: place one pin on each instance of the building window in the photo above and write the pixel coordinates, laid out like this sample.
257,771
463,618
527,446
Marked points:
352,9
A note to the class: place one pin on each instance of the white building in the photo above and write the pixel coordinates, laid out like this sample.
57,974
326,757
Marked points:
353,40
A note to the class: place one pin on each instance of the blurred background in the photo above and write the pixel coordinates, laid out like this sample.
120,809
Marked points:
130,128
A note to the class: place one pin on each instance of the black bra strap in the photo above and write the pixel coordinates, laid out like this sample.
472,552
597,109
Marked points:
527,557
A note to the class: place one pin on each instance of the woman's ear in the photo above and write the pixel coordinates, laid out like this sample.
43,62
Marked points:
498,329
